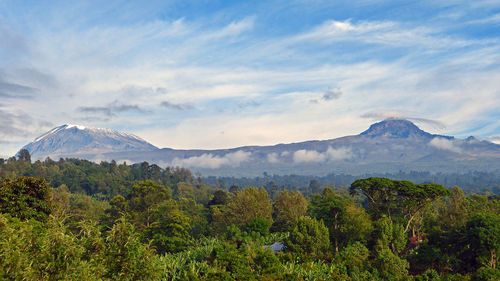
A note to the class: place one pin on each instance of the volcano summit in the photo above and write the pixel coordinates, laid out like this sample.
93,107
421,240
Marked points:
388,146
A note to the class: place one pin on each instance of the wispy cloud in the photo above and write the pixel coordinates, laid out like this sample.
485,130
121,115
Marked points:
112,109
13,125
394,114
251,70
177,106
232,29
14,90
493,19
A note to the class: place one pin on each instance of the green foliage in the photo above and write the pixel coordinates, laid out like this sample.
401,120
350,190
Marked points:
389,236
486,274
358,225
229,258
106,179
247,205
456,210
126,258
391,267
482,241
288,207
428,275
331,209
258,225
402,202
118,208
25,198
354,256
309,239
266,262
24,155
170,230
220,197
144,199
150,234
32,250
178,266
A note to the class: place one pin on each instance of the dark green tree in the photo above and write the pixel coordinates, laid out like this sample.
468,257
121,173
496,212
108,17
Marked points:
331,209
26,198
24,155
400,201
258,225
288,207
247,205
481,241
143,201
221,197
170,230
309,239
486,274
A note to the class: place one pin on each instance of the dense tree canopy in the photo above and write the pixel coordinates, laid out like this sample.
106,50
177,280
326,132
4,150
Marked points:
84,221
289,206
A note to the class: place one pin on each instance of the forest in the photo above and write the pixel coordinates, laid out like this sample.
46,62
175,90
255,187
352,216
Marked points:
74,219
478,182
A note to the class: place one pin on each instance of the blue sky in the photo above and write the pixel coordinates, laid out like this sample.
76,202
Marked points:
214,74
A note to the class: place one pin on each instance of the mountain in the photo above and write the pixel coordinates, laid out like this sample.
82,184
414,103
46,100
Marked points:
84,142
395,128
385,147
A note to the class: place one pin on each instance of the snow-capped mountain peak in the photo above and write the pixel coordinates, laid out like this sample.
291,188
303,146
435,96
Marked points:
71,140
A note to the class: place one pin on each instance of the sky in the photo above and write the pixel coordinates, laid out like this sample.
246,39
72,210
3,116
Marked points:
219,74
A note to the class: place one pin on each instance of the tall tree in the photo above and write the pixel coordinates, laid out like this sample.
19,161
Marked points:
170,230
481,241
331,209
288,207
308,239
247,205
24,155
143,201
401,201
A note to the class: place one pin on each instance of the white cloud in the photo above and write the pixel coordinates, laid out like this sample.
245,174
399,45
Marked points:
445,144
273,158
306,156
418,68
388,33
395,114
334,30
338,154
494,139
311,156
210,161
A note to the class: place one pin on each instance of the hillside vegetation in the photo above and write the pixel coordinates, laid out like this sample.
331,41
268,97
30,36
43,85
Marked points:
77,220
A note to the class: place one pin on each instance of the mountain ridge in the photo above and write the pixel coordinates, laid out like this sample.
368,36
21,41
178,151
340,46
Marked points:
70,139
386,146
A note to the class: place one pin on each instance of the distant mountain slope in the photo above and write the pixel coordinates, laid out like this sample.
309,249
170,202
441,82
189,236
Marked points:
389,146
84,142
